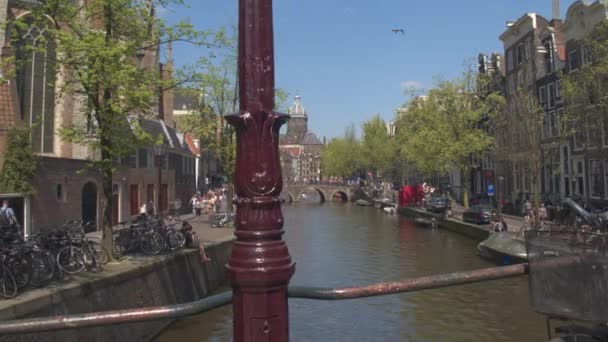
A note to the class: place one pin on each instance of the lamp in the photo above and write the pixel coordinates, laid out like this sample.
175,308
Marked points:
159,152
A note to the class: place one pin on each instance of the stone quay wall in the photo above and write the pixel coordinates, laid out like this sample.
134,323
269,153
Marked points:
167,280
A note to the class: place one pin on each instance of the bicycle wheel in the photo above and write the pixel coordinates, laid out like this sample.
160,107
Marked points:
42,268
71,260
175,239
8,285
90,259
21,270
121,243
101,255
152,243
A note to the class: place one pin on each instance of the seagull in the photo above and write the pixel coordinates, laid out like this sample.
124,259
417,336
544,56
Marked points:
398,30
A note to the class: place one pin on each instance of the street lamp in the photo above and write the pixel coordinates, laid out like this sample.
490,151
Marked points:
159,152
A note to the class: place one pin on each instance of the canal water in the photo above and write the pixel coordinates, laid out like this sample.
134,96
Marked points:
336,245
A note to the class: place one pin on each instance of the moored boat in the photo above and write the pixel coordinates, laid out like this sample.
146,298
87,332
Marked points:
503,248
363,203
390,210
423,221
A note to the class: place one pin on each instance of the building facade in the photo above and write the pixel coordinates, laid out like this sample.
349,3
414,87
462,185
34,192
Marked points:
65,186
300,150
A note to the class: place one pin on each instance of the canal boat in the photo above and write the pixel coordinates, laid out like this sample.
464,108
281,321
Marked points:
503,248
390,210
426,222
363,203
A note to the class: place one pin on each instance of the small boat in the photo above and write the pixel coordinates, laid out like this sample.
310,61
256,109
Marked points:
503,248
363,203
429,222
390,210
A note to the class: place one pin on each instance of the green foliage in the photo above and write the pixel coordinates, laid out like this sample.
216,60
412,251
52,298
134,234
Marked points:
379,150
105,53
19,163
584,90
342,156
444,129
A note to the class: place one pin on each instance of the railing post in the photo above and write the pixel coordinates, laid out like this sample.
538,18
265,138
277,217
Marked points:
260,267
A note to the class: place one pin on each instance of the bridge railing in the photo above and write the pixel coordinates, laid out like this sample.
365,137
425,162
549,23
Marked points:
105,318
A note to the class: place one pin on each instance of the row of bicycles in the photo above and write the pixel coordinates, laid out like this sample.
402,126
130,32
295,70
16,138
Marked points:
67,250
151,236
46,256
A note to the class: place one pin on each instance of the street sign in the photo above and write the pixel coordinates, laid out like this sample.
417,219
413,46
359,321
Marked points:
491,190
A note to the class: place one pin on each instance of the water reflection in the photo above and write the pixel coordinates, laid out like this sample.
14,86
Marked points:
338,245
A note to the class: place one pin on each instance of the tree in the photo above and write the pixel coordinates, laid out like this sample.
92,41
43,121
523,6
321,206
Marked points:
379,150
98,44
442,131
19,163
522,123
341,157
584,91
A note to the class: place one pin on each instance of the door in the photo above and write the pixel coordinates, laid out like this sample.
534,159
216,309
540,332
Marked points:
89,203
115,202
134,193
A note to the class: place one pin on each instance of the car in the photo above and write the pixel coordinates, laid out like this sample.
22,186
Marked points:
438,204
479,214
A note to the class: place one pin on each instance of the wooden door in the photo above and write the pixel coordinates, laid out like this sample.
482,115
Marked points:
115,209
134,193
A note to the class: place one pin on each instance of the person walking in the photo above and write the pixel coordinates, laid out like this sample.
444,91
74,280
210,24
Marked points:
542,215
8,214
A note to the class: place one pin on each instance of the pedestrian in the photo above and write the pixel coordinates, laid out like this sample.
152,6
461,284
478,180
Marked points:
542,215
8,214
150,208
143,212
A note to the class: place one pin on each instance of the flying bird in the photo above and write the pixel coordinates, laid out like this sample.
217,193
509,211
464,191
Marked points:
398,30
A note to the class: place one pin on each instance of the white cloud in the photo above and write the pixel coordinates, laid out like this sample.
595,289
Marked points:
411,84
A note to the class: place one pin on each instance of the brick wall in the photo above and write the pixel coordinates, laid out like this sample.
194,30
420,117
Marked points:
49,209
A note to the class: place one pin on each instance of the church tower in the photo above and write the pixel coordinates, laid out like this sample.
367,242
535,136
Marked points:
298,121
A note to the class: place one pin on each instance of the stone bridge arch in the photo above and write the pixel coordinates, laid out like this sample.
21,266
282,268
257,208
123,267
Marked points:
320,191
343,193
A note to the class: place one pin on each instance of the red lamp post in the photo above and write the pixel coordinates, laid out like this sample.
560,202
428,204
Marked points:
260,266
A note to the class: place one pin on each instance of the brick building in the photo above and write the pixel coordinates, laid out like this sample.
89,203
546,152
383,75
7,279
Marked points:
300,149
65,187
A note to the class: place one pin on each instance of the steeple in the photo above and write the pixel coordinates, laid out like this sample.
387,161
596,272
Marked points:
297,109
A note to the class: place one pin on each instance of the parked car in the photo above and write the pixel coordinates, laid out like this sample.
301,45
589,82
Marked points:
480,214
438,204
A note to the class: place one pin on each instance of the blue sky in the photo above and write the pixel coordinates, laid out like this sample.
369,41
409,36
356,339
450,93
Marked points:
343,59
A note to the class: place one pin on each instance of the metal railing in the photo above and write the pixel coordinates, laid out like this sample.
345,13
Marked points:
192,308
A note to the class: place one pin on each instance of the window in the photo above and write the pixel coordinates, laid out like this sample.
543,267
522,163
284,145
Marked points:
558,90
596,185
587,56
520,53
35,51
527,48
548,57
605,177
580,179
510,60
59,192
553,124
542,95
572,60
132,161
143,158
595,131
580,136
551,95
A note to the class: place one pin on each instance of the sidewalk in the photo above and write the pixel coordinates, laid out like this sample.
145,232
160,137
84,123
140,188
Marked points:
514,223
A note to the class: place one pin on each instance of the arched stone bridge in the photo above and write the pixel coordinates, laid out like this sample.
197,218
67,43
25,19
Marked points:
327,192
